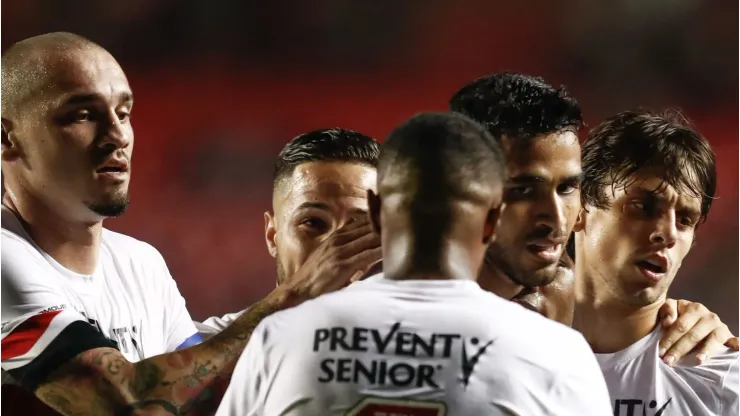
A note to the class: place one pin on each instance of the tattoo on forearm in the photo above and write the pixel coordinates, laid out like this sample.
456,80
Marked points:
184,382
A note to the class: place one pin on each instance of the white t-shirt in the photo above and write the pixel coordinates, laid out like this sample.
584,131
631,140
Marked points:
214,324
130,303
382,347
640,383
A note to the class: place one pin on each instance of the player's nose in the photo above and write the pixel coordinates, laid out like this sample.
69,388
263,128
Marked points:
114,133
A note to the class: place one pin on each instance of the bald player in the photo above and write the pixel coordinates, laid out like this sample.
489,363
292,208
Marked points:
99,326
422,337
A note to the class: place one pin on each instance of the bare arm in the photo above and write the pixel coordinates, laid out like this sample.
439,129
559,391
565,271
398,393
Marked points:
102,382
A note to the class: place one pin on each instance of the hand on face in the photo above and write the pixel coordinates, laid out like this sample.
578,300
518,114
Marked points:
346,255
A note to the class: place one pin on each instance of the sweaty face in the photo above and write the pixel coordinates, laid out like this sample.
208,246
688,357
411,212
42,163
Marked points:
555,301
634,249
318,199
542,200
76,137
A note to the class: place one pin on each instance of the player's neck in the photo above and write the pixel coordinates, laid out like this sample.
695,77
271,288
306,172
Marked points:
494,280
609,324
73,244
403,260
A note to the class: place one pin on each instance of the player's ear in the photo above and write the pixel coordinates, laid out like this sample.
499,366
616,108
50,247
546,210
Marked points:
10,148
580,221
492,219
373,210
270,232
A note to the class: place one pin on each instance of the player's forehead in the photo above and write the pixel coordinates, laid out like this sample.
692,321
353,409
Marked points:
329,185
549,157
650,183
89,72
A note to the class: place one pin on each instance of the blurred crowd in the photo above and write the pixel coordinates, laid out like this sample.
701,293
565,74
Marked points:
221,86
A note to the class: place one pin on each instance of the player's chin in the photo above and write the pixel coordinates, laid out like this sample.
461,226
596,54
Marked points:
540,275
110,204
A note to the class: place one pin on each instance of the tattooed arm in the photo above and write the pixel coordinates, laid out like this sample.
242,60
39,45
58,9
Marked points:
101,381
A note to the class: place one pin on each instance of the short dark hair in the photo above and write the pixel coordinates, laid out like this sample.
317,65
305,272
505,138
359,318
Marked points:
326,145
518,106
636,140
441,156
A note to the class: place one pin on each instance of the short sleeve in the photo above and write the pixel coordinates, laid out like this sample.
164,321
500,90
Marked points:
40,328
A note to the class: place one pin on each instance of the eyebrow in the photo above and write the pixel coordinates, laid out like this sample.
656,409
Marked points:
660,198
325,207
525,179
87,98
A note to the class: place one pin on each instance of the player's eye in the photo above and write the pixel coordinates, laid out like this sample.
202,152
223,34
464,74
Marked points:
687,222
80,116
124,116
520,191
313,224
567,189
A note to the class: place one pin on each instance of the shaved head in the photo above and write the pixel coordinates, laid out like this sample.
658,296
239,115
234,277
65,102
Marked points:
66,136
28,65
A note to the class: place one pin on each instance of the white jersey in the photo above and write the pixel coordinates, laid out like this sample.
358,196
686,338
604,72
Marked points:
214,324
382,347
640,383
130,303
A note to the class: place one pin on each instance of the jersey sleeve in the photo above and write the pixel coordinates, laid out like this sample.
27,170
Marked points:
179,326
214,324
40,329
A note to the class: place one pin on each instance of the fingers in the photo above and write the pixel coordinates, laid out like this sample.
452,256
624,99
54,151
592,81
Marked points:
344,236
704,337
668,312
711,346
368,241
678,329
352,224
733,343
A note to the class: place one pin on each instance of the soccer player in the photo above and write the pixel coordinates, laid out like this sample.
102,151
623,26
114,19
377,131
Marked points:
99,327
422,337
318,220
537,127
649,183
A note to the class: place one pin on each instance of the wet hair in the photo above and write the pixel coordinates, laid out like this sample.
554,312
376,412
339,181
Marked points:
326,145
517,106
634,141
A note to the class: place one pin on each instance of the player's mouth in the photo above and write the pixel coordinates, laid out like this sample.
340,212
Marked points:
114,169
546,250
654,267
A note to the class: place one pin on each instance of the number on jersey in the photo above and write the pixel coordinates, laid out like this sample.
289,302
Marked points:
375,406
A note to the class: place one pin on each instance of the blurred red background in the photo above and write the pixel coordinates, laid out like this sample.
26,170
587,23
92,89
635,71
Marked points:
221,86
